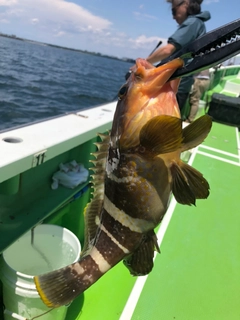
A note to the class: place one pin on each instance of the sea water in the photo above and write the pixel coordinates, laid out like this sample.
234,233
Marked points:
46,253
38,82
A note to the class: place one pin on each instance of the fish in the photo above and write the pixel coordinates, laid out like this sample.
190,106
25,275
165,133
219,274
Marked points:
137,169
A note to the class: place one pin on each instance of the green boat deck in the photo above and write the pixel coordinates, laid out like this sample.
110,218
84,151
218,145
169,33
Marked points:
197,274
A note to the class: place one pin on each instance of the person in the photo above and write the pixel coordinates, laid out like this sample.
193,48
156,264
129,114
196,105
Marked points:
191,21
201,84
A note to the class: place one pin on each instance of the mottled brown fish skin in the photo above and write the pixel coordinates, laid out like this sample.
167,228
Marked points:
135,172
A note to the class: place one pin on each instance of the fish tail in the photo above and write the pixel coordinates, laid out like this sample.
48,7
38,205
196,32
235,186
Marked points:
60,287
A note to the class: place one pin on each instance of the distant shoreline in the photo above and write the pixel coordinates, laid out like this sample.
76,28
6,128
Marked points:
66,48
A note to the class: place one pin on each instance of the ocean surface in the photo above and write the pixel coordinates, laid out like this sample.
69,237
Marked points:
39,81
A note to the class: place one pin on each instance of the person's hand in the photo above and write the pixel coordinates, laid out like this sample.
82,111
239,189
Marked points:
127,75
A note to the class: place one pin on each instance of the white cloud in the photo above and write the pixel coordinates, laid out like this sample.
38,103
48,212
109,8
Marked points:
52,12
70,25
4,21
60,34
144,16
34,21
145,42
8,2
210,1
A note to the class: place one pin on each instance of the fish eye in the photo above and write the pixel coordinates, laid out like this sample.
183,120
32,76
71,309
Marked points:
122,92
138,76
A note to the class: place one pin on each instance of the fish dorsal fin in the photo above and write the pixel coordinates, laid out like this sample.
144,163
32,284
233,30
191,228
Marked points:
196,132
162,134
141,261
93,209
188,184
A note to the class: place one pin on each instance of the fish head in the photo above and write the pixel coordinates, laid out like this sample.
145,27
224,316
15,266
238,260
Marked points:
146,94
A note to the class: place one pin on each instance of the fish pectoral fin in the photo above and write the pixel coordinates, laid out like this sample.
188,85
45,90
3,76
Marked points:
156,246
162,134
188,184
140,262
196,132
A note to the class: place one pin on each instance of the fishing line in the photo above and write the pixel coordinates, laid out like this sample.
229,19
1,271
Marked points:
38,250
42,314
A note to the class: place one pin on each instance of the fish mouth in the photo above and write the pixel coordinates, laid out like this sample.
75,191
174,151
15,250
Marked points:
154,78
149,94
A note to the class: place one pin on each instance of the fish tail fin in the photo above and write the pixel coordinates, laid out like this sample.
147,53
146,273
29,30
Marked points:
60,287
188,184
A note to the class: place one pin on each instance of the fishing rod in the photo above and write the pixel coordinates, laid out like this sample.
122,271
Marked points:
159,43
127,75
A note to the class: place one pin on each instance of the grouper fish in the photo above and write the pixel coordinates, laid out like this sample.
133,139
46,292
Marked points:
137,168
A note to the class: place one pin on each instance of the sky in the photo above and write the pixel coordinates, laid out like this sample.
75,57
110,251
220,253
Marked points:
123,28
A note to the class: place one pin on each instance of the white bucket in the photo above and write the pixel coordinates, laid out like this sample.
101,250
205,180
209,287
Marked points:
53,247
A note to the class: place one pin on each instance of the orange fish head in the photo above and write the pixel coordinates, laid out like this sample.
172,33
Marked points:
146,94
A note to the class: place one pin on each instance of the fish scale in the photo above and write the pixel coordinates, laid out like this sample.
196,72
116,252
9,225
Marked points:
136,170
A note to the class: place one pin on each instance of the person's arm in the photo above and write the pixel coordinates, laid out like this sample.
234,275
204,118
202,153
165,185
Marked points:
161,53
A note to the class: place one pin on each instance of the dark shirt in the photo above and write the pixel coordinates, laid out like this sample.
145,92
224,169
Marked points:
192,28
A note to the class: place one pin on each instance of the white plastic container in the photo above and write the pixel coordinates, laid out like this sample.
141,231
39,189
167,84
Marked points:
53,247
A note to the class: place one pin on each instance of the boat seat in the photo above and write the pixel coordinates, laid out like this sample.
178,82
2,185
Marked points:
232,88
